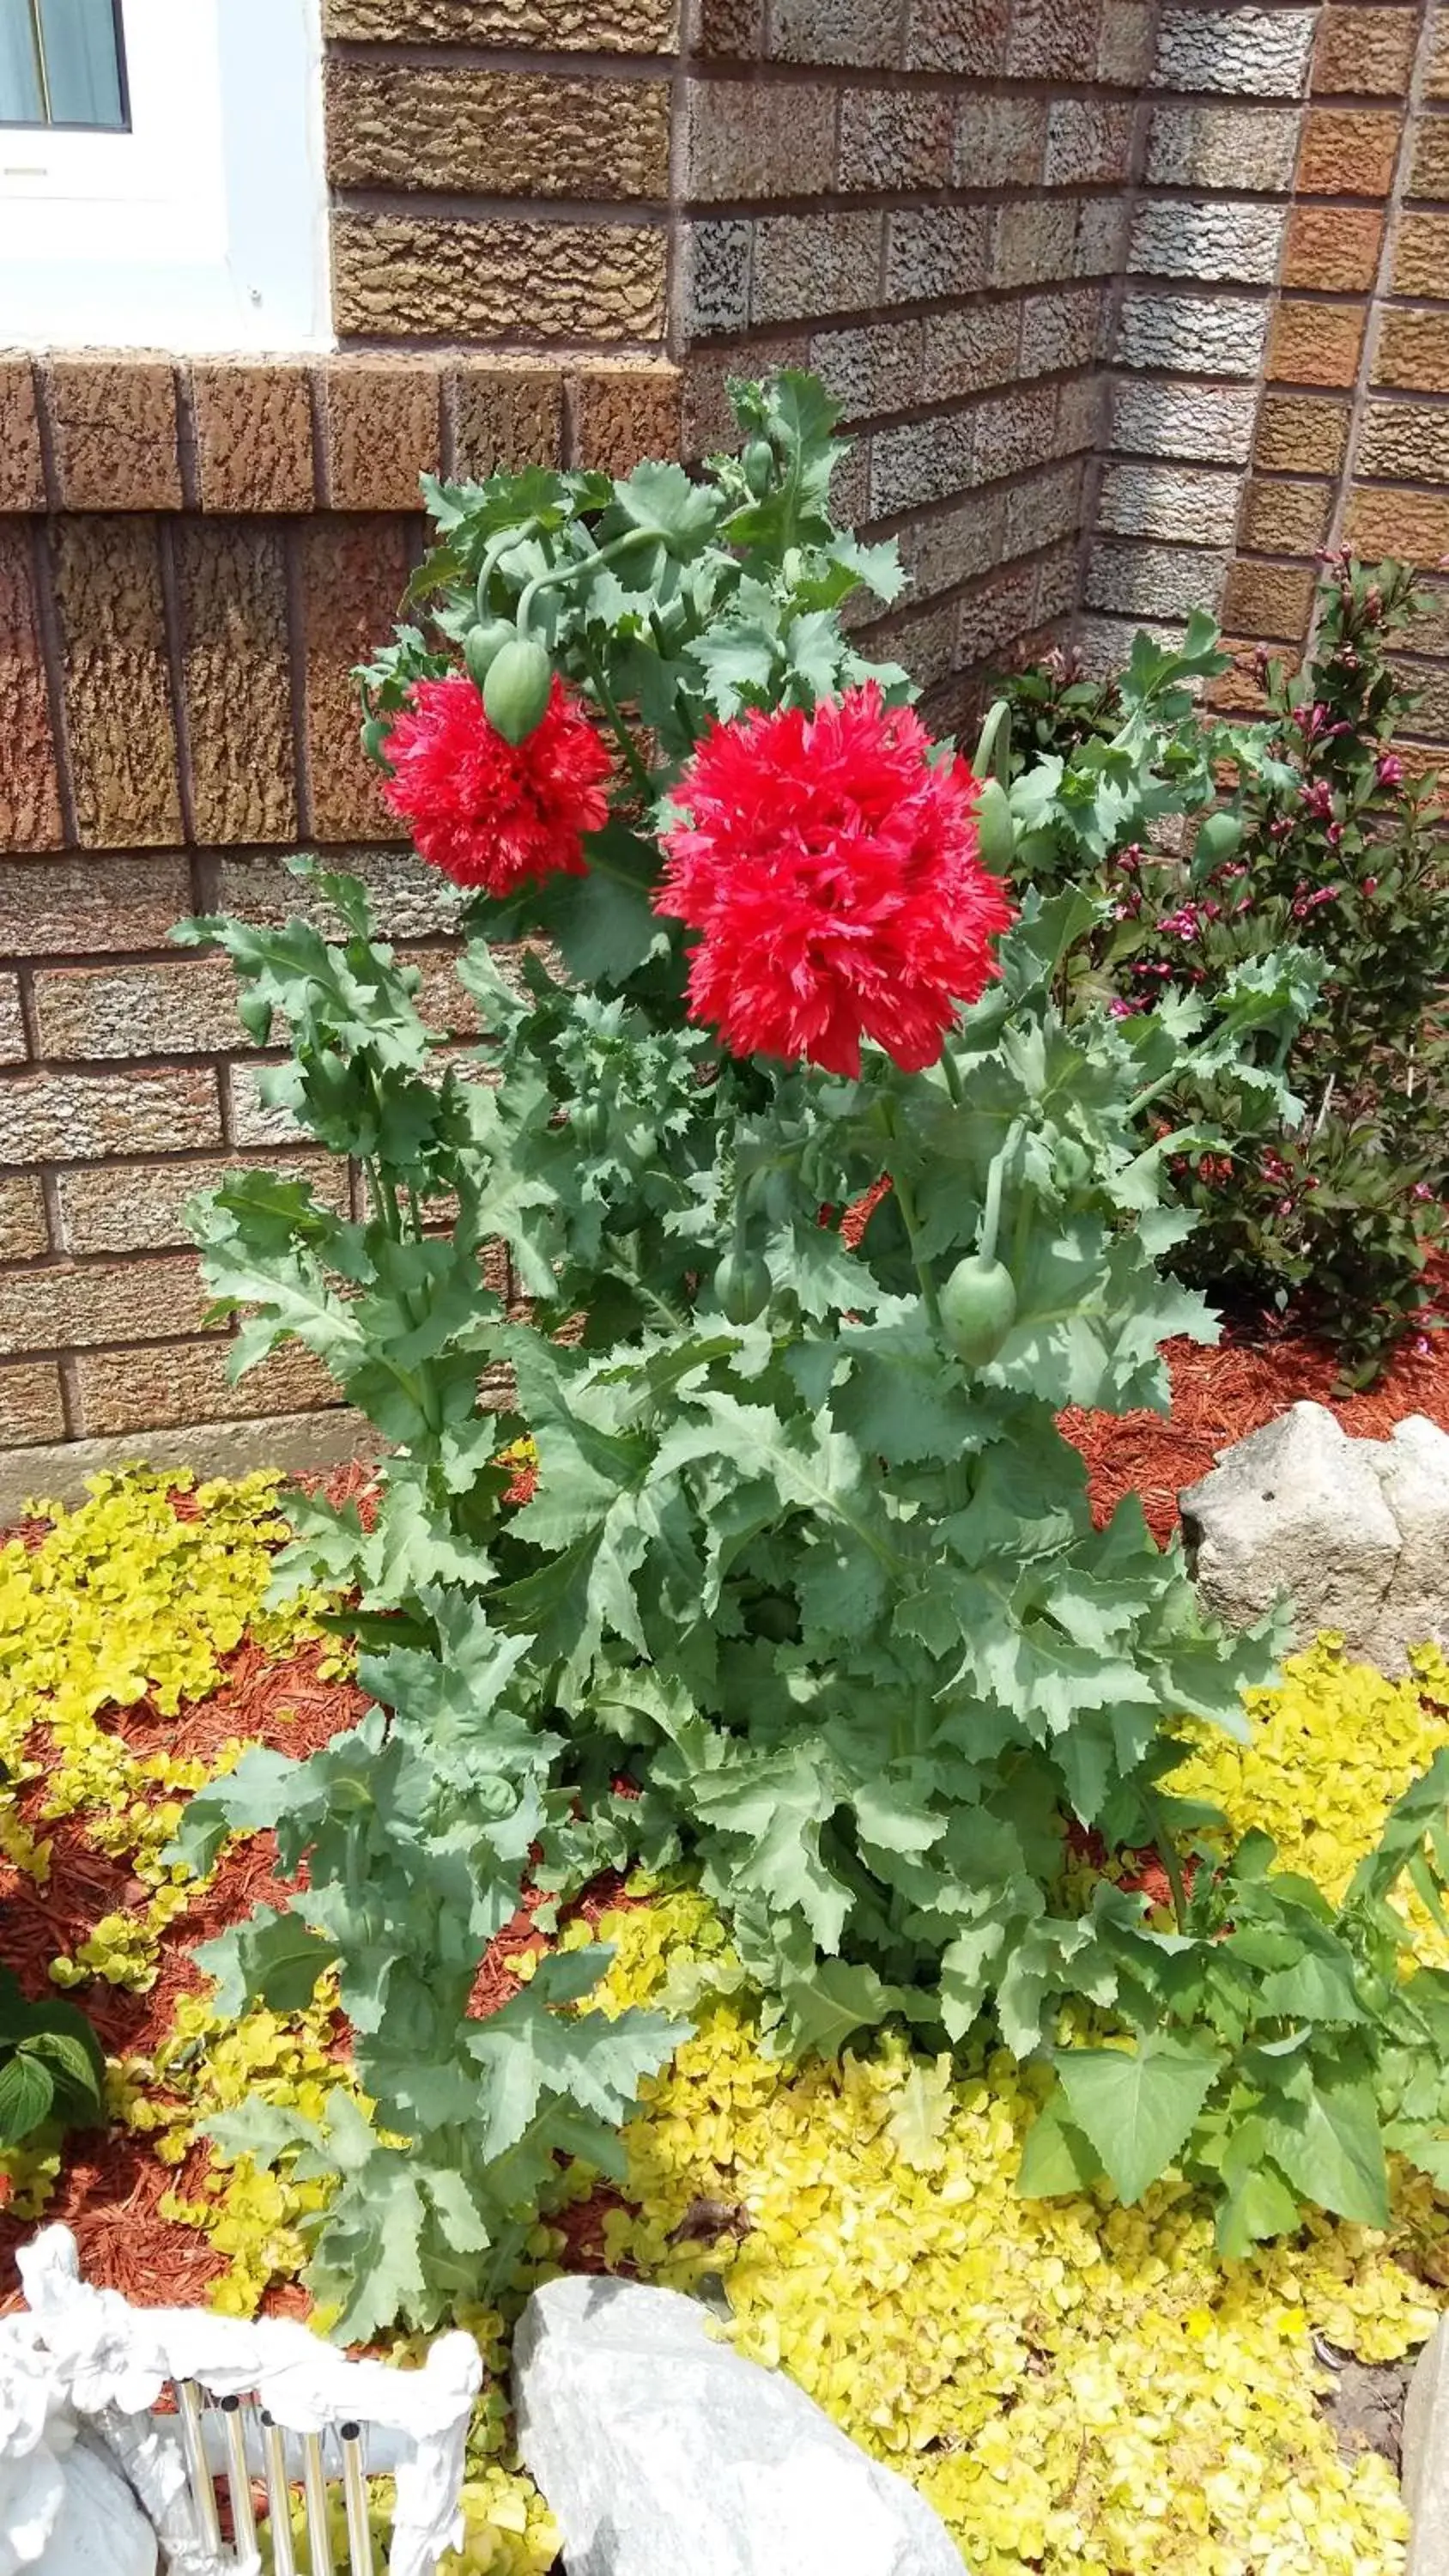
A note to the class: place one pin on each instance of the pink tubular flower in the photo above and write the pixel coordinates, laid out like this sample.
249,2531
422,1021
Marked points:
831,869
1389,769
487,812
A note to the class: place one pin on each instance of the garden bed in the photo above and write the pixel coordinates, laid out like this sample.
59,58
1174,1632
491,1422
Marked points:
1072,2384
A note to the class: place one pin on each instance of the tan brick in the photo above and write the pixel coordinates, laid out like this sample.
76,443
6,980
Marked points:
622,413
236,671
251,1119
1428,627
1404,442
1286,518
1000,142
1436,83
1269,599
113,433
23,1227
140,1207
1348,152
1364,52
1334,247
22,467
499,134
379,419
185,1007
1298,435
1411,525
1033,242
552,26
503,414
1421,256
809,265
117,682
85,1117
429,278
253,426
864,32
1413,352
32,1408
68,1305
354,573
1429,168
971,349
742,140
415,901
1315,344
51,907
888,139
13,1047
30,817
154,1390
995,613
954,35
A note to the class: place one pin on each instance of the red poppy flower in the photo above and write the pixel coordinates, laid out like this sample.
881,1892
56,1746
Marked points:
831,868
487,812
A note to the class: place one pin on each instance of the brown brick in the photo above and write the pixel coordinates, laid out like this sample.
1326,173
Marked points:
117,682
23,1227
236,671
552,26
140,1207
113,433
86,1117
1335,247
735,28
1428,627
1298,435
1348,152
995,613
1268,599
622,413
503,414
30,816
1315,344
251,1119
354,573
741,140
1413,352
51,907
13,1046
68,1305
430,278
186,1382
379,420
1364,53
253,427
32,1409
185,1007
971,349
414,900
1421,256
1404,442
1411,525
498,134
888,139
1429,169
1053,39
22,467
1286,518
1436,83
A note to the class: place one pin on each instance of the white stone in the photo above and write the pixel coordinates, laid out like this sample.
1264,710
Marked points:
1426,2458
1412,1467
100,2530
1295,1512
662,2452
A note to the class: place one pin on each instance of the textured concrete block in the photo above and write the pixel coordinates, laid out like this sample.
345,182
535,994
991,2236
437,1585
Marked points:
1257,53
133,1391
113,433
141,1207
1412,525
1167,501
122,737
936,250
411,277
1333,248
84,906
23,1228
236,672
1298,435
185,1007
1059,331
873,368
1413,352
623,413
923,461
715,276
64,1307
1348,152
864,32
1286,518
1364,52
32,1409
1032,243
1269,599
1251,148
1089,141
742,139
1193,237
380,430
1154,580
30,816
86,1117
353,573
815,264
1315,344
968,351
253,430
1211,423
502,414
22,466
1404,442
1421,255
1196,335
495,134
956,36
551,26
894,139
999,143
1015,430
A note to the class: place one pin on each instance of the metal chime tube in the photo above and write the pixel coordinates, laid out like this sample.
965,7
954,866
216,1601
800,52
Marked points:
203,2493
314,2480
354,2489
239,2482
279,2502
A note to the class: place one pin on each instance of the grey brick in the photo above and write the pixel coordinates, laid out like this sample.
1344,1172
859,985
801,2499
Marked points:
1088,140
1101,237
1160,581
809,264
1167,500
1015,430
1060,330
953,545
1223,147
867,32
1256,53
1192,237
715,275
1034,241
1209,422
957,36
1043,509
1125,45
1000,143
936,250
970,350
891,139
746,139
922,461
1198,335
874,368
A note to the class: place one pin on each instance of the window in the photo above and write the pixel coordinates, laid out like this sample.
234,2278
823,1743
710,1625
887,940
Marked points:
161,175
61,63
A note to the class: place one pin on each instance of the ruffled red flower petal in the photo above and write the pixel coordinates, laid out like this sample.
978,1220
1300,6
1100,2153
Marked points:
491,813
830,866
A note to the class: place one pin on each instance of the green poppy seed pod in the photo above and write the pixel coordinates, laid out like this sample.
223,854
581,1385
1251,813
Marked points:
374,741
483,644
759,465
978,1309
516,688
742,1286
995,830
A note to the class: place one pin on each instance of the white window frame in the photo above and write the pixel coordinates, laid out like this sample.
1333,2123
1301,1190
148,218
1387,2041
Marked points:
202,228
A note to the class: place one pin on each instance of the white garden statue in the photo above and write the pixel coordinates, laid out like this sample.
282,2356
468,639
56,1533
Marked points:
95,2482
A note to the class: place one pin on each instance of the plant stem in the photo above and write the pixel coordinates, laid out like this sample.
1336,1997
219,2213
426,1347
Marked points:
906,1200
580,563
622,735
952,1073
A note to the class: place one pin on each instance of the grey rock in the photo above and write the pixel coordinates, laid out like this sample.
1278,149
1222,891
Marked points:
1426,2459
1412,1467
1294,1511
660,2449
